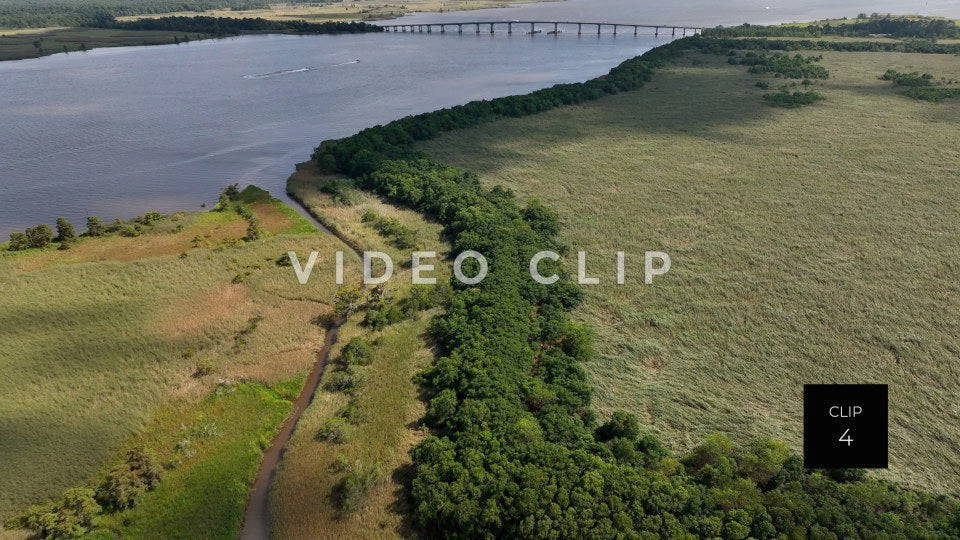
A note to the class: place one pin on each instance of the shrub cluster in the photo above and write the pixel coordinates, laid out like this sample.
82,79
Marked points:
515,450
72,515
907,79
351,370
338,191
230,197
934,94
924,87
126,482
399,235
793,100
42,235
353,489
783,65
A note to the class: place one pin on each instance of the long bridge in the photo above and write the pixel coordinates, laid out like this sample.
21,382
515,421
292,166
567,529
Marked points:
532,25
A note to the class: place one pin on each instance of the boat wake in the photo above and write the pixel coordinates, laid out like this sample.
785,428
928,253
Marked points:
296,70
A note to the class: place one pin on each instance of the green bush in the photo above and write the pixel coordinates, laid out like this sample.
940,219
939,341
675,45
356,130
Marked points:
352,491
125,483
95,227
348,379
793,100
69,517
65,232
334,430
39,236
18,242
357,352
352,413
387,313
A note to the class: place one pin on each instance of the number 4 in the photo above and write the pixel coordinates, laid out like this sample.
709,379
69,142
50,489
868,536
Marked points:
846,438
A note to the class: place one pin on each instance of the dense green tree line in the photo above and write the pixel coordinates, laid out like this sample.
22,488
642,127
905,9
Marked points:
230,25
44,13
901,27
515,450
724,45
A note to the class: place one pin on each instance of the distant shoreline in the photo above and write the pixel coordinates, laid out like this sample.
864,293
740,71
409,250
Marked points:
27,43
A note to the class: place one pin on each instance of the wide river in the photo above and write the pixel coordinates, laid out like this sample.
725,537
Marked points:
117,132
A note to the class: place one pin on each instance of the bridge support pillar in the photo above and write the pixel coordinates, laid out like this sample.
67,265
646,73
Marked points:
459,28
635,31
478,28
531,29
614,29
598,29
554,28
674,32
509,27
491,28
684,32
443,29
579,28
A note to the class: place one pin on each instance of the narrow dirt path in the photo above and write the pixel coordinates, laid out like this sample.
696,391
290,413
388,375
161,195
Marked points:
256,520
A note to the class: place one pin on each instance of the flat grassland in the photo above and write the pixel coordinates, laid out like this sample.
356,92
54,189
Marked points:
809,246
186,340
303,501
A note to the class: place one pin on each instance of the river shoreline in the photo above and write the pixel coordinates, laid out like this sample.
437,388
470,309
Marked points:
20,44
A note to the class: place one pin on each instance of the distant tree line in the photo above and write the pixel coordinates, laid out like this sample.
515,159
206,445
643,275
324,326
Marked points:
231,26
46,13
724,45
515,450
899,27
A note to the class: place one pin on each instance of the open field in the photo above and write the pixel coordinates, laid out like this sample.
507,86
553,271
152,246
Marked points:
18,44
810,245
123,341
303,502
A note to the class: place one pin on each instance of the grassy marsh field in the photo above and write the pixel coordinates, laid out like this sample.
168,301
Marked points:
809,245
124,341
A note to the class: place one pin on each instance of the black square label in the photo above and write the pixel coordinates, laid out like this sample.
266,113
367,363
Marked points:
845,425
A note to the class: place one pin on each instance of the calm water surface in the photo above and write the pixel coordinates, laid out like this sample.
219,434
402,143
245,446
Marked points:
117,132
